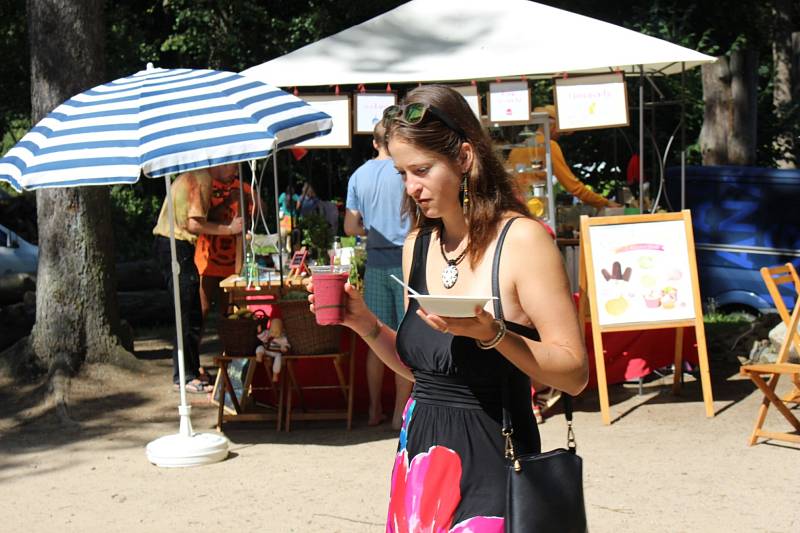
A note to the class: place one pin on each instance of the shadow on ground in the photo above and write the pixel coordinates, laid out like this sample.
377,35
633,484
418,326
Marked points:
726,385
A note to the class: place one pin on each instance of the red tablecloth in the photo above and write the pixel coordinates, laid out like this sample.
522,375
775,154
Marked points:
628,355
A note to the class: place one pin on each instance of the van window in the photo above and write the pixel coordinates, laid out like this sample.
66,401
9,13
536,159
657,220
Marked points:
3,238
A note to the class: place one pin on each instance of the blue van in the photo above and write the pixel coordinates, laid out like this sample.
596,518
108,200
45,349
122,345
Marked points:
744,218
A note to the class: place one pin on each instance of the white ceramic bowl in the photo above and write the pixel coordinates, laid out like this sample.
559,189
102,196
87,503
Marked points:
451,306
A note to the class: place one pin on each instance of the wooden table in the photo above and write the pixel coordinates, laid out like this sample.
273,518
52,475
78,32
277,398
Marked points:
243,408
235,284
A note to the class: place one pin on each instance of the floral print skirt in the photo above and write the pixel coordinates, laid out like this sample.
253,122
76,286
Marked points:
449,472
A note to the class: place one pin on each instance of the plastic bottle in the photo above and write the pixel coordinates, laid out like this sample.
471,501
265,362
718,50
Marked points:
250,268
337,250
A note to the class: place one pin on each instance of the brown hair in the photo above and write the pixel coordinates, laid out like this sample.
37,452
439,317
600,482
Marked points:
379,134
492,191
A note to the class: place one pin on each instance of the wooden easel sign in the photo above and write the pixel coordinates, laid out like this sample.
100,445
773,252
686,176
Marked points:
639,272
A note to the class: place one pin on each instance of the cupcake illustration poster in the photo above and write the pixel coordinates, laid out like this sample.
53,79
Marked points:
642,272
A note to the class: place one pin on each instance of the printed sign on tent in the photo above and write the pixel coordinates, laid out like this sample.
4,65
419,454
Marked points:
338,107
591,102
470,94
369,109
510,102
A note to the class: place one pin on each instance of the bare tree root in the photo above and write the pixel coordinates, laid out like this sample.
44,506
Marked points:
19,362
58,390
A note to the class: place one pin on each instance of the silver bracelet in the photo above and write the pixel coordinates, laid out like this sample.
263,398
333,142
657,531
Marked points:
501,333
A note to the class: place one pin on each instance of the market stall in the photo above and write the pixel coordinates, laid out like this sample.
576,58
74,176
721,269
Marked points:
407,45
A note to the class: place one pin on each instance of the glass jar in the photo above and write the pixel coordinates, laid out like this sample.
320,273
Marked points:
537,203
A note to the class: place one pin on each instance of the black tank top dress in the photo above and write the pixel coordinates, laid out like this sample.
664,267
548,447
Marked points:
449,473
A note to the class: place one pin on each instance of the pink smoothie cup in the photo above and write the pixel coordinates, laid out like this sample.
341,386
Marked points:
329,294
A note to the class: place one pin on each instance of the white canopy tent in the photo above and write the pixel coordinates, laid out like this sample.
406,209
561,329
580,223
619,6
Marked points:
466,40
457,40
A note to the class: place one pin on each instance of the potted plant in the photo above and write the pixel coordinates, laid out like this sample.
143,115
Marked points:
317,236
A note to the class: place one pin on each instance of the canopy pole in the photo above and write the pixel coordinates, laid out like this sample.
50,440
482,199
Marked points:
548,161
242,203
278,213
184,410
683,136
641,139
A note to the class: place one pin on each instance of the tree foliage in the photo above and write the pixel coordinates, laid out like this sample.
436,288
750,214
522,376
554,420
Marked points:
238,34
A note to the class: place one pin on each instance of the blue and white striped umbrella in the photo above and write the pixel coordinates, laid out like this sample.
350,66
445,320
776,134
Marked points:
159,121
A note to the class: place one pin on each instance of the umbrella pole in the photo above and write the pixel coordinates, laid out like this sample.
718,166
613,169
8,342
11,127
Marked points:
185,448
184,410
278,212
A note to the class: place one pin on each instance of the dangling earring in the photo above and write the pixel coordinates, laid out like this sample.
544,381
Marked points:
465,194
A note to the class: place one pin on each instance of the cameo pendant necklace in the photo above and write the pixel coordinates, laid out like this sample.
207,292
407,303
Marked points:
450,271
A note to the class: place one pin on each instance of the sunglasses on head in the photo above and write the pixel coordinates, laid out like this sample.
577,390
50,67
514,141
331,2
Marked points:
415,112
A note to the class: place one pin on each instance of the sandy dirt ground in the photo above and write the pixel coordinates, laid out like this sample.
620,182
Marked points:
661,466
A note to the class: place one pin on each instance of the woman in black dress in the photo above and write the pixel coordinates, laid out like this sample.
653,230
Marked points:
449,470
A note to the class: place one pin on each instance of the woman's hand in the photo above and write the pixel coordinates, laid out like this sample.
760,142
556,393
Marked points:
480,327
356,315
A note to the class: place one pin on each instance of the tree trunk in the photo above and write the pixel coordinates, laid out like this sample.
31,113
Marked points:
782,82
730,89
77,318
796,65
716,95
744,112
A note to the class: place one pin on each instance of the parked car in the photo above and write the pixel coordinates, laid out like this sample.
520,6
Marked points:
744,218
16,254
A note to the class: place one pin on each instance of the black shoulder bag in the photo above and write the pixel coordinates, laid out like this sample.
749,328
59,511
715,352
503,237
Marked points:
544,492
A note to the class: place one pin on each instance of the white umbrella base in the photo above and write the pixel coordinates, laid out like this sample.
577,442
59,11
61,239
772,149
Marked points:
174,451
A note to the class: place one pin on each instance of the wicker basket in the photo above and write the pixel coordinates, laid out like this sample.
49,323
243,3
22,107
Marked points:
238,336
304,334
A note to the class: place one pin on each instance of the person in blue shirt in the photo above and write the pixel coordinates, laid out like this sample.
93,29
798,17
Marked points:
375,195
308,201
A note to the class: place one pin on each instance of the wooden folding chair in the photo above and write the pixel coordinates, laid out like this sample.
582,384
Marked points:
773,277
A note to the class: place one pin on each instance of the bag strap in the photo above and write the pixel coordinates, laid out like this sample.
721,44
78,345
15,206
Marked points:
508,428
498,307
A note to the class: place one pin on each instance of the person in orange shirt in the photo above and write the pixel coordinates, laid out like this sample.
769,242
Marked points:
215,255
525,157
191,199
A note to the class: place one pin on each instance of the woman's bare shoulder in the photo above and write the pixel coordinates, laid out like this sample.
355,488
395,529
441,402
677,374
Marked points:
529,244
527,230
